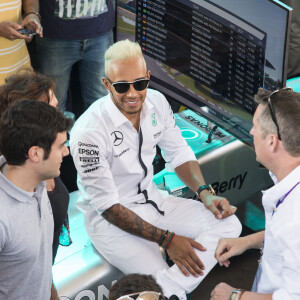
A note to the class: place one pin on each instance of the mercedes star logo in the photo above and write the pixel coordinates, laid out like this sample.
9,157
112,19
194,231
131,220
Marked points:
118,137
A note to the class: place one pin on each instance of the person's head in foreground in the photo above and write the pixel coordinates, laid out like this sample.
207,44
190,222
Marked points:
26,85
136,287
32,132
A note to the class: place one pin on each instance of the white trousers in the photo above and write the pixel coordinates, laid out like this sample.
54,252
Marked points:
185,217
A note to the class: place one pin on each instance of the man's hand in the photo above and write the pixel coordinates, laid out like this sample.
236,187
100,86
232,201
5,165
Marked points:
180,248
9,31
227,248
222,291
32,22
219,206
181,251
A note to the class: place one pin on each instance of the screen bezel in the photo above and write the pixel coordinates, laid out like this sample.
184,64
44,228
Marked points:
209,116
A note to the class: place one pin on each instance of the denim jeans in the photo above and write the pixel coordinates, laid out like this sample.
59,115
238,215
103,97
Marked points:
56,58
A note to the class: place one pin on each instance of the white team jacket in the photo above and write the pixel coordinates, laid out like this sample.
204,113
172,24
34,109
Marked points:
105,149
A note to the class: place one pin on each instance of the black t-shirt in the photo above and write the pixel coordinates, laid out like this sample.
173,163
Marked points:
76,19
59,199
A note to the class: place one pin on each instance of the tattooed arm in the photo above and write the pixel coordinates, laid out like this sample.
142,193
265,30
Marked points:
130,222
180,249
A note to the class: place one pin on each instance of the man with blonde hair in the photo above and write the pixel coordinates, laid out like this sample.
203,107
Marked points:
127,218
276,138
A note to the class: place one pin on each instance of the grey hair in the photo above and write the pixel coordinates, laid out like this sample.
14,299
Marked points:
286,105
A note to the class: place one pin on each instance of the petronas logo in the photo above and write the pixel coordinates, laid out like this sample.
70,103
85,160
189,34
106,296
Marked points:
154,122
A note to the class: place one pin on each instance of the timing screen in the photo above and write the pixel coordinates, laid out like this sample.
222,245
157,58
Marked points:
224,54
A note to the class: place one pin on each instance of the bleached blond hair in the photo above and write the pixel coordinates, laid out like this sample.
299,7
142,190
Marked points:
122,50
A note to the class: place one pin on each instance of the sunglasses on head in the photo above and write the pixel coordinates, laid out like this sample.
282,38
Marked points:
147,295
123,86
271,107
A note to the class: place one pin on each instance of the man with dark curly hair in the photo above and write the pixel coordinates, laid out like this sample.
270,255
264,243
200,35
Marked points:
32,143
134,285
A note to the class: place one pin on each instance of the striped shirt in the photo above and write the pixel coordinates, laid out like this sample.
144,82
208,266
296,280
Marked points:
13,54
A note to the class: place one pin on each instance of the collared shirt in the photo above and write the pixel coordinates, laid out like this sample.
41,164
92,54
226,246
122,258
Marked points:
280,265
26,235
105,148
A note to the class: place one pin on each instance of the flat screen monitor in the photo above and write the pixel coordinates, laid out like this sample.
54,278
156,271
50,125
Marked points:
211,55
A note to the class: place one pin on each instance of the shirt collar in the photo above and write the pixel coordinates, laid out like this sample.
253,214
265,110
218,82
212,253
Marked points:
118,118
146,108
114,113
272,195
15,192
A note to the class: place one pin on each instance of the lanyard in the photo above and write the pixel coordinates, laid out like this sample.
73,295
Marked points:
280,201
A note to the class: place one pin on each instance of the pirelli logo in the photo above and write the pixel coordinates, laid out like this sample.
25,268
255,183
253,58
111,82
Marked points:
90,159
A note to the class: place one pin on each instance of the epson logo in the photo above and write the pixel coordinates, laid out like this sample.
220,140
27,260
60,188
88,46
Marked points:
234,182
88,151
205,126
